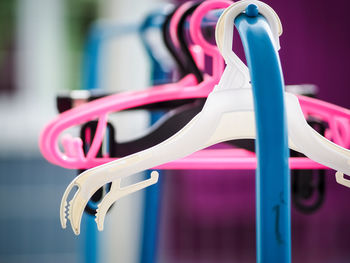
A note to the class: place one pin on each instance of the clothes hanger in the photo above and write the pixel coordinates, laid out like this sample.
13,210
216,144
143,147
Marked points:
220,120
168,125
172,122
75,159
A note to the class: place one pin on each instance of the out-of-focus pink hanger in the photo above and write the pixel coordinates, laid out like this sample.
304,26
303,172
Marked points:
73,156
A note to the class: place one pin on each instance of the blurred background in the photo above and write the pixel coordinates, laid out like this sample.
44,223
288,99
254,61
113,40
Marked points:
204,216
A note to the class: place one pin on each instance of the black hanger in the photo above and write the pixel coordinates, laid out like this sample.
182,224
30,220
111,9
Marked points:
170,45
191,65
168,125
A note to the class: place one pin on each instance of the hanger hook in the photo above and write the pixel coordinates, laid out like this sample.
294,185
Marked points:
198,38
224,32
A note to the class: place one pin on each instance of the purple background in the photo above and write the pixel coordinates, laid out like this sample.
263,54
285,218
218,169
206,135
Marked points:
315,46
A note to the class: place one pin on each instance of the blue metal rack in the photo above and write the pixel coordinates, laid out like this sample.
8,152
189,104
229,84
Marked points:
152,198
272,176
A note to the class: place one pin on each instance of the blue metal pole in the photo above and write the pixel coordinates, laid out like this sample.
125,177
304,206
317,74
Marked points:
98,35
89,234
152,198
151,214
272,176
89,241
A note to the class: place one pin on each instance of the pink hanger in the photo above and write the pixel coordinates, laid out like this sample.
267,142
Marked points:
74,157
337,118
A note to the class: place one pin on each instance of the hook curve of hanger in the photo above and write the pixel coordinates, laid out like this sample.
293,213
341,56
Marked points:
197,36
224,34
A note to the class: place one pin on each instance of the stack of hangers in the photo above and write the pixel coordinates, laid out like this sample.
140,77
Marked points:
236,107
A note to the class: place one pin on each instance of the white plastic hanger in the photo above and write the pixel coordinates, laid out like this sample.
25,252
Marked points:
227,115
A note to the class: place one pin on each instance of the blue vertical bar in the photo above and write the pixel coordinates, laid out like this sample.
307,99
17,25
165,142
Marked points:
89,234
151,214
90,76
272,176
90,81
97,36
152,198
89,240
